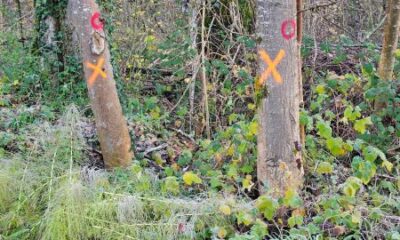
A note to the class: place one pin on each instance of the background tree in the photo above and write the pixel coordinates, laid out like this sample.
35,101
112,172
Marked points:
111,126
390,40
279,164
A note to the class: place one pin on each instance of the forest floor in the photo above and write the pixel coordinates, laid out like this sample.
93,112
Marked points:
183,186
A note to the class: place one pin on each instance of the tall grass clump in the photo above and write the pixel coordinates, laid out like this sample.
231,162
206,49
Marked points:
47,191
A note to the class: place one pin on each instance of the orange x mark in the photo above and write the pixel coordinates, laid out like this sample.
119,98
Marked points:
271,66
97,70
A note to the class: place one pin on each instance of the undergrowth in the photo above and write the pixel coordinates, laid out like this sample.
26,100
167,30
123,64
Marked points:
46,194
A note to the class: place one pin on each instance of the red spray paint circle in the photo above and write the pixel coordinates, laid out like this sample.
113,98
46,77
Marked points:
288,29
95,21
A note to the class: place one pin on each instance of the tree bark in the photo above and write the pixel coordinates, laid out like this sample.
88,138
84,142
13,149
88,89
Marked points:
20,22
193,20
390,40
299,10
279,164
111,126
203,70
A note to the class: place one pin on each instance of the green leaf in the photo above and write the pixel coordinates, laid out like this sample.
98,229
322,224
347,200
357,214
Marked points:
244,218
295,220
320,89
185,158
388,165
292,199
306,120
225,209
371,153
325,168
336,146
215,182
351,114
171,185
253,128
259,229
189,178
361,125
364,170
351,186
324,129
267,206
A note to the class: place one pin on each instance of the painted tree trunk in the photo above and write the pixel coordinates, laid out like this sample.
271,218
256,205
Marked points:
115,143
390,40
279,164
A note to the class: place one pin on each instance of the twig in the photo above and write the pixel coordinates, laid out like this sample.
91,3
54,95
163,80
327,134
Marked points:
395,219
162,146
195,64
386,176
376,28
180,99
317,6
183,134
339,27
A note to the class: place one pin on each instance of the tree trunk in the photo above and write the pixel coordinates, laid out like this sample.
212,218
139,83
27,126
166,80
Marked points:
112,129
2,15
20,22
203,70
390,39
299,10
193,21
279,164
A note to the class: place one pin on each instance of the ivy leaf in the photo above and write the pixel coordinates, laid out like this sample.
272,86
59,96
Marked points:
225,209
356,217
295,220
215,182
267,206
351,186
371,153
349,190
364,170
185,158
325,168
189,178
222,233
351,114
320,89
292,199
244,218
259,229
247,183
324,129
388,165
171,185
253,128
336,146
361,125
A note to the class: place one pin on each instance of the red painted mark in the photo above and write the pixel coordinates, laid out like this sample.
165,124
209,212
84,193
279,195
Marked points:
96,22
181,228
97,71
288,29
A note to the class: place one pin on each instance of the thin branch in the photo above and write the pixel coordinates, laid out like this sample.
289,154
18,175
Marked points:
162,146
316,7
204,73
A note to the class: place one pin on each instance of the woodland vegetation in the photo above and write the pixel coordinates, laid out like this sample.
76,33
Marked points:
199,119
